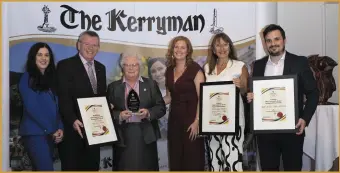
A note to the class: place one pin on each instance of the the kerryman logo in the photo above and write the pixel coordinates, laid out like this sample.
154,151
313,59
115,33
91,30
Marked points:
215,29
46,27
120,20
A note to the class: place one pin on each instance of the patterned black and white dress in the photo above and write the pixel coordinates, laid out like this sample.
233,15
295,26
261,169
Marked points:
225,151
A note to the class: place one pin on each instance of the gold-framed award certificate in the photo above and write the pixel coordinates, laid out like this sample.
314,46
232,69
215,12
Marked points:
219,108
97,120
274,108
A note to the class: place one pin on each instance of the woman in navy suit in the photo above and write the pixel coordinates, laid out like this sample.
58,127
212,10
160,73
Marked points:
40,126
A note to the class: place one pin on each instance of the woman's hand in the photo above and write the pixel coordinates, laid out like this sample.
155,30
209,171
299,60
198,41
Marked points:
193,129
237,82
241,81
58,136
250,97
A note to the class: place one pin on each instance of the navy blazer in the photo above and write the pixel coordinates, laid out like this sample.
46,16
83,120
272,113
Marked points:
40,110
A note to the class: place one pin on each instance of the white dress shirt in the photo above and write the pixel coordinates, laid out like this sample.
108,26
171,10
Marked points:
86,66
273,69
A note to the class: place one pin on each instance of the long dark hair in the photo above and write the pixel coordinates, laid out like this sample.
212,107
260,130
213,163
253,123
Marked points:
37,80
212,57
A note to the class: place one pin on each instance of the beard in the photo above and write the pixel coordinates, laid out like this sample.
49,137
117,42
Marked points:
279,52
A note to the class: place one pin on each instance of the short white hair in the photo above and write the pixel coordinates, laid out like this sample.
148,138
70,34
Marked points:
131,54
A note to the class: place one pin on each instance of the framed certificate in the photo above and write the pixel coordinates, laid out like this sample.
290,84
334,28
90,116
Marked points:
219,108
97,120
274,108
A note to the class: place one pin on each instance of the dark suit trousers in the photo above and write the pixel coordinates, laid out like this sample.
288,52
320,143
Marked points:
76,154
271,146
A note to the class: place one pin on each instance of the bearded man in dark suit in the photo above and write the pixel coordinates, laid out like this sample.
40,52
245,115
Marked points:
281,62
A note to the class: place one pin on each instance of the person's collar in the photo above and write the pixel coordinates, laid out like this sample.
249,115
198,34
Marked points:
83,60
281,59
139,79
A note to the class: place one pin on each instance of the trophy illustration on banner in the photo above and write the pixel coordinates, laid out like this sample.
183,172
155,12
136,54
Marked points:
215,29
45,26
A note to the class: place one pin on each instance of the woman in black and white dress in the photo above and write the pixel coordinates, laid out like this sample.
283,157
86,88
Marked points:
225,151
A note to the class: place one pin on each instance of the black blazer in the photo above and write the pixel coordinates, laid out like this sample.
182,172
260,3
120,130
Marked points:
73,83
150,98
294,64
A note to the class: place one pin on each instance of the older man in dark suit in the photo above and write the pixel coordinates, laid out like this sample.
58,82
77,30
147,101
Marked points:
135,117
79,76
281,62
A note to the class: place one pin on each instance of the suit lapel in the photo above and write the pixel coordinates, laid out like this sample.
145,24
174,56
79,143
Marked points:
83,73
120,93
261,67
98,76
143,93
288,61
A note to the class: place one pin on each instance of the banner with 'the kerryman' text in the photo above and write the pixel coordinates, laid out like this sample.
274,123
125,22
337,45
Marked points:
145,27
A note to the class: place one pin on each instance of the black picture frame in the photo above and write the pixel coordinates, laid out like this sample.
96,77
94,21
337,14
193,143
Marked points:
221,85
292,101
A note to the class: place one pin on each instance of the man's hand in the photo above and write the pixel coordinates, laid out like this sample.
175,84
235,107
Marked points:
301,126
77,125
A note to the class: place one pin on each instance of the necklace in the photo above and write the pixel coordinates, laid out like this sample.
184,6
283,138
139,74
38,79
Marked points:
223,63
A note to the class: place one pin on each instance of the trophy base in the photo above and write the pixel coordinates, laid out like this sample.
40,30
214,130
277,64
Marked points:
135,118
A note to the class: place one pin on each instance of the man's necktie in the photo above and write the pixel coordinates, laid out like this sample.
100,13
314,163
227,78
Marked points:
92,77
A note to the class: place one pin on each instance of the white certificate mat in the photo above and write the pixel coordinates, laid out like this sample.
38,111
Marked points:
274,106
219,103
97,120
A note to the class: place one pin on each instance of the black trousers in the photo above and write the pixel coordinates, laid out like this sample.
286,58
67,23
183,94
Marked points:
76,155
272,146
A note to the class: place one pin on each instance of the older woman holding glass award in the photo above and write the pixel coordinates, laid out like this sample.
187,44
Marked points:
136,104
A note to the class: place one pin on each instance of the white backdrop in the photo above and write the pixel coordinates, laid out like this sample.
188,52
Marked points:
145,26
